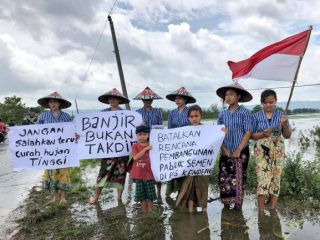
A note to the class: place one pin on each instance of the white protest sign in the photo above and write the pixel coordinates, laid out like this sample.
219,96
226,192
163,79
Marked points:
106,134
185,151
43,146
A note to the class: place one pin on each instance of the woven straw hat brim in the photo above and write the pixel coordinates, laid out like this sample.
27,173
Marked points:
172,97
245,95
44,102
105,99
147,97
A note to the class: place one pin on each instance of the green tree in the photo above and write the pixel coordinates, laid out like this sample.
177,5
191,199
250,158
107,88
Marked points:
12,109
211,113
256,108
165,114
214,110
36,110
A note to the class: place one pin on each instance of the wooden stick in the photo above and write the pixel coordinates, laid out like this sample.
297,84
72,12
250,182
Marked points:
297,72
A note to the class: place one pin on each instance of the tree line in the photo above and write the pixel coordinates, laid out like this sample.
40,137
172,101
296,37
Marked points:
14,110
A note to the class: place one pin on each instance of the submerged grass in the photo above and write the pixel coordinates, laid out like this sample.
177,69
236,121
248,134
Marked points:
301,179
45,220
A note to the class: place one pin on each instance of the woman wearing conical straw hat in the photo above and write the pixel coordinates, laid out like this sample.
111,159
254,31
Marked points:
235,149
152,117
113,171
178,118
57,181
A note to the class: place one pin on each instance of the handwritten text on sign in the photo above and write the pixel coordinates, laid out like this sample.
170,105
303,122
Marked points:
185,151
106,134
43,146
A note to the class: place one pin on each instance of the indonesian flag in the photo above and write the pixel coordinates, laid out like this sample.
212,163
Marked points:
278,61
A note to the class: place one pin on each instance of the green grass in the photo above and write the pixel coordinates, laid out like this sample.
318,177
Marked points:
300,179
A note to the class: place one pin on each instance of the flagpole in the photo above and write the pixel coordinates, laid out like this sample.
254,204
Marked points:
297,72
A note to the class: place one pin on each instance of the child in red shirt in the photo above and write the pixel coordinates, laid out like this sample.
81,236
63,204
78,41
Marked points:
141,170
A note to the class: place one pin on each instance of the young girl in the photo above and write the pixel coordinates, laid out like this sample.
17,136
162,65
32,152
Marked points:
178,118
194,189
56,180
235,150
113,171
269,125
141,170
151,116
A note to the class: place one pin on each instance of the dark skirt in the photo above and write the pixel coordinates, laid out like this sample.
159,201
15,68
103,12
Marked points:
232,178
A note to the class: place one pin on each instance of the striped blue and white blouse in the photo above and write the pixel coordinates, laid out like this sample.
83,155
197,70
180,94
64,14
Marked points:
152,117
48,117
178,119
109,109
261,122
237,123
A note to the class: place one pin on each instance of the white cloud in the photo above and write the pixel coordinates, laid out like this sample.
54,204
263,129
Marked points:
47,46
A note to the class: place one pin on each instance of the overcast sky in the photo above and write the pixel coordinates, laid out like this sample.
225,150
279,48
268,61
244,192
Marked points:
47,45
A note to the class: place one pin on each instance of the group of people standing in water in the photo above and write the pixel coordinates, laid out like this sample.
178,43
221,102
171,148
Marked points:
266,128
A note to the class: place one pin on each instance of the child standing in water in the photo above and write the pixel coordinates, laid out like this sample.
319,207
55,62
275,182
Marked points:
113,171
234,158
57,181
151,117
141,170
194,189
269,125
178,118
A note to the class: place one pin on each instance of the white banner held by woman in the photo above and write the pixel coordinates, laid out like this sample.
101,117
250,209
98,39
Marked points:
43,146
185,151
106,134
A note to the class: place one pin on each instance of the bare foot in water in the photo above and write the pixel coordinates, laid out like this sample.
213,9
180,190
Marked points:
93,200
55,197
63,202
52,201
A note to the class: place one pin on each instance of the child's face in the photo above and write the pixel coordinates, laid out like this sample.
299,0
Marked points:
180,101
147,103
194,117
114,102
269,104
231,97
54,104
142,137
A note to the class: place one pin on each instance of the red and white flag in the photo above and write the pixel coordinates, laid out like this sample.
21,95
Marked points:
278,61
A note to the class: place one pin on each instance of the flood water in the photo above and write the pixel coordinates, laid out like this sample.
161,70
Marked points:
14,186
217,223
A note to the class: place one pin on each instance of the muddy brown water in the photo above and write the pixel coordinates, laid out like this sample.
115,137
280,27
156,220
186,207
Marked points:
217,223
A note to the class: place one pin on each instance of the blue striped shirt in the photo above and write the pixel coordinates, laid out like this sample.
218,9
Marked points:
178,119
152,117
261,122
48,117
109,109
237,123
